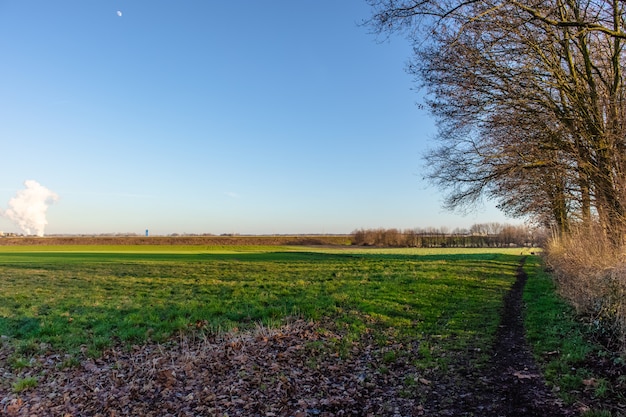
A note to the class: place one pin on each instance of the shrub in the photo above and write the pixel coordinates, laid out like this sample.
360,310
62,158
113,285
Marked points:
590,272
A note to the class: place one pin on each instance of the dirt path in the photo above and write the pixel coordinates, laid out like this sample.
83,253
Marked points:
519,381
511,385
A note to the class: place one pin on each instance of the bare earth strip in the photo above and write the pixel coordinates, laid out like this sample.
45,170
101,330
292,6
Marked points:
511,385
515,374
177,240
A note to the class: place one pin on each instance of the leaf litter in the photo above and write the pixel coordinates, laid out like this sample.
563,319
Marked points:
294,370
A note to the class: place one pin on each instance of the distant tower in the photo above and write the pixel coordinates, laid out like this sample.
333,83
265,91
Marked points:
147,233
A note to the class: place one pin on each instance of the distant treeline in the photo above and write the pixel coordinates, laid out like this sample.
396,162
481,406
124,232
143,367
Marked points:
478,236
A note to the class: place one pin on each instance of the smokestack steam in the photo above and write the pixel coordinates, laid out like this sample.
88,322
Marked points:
28,208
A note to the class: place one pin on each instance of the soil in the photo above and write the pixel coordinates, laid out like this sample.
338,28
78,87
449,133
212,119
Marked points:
204,240
510,385
302,369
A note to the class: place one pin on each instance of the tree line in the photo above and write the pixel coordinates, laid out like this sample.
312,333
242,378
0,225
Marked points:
478,236
530,101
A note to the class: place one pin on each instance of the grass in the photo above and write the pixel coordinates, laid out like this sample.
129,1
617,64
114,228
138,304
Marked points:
444,302
75,297
24,383
561,343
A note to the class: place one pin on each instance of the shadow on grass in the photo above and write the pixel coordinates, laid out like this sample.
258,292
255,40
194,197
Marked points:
74,299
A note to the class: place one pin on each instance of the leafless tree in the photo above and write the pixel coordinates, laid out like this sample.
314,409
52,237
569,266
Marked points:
530,102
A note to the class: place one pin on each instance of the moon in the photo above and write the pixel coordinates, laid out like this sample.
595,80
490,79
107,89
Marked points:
119,13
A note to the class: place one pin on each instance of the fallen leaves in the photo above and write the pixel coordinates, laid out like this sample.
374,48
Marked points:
525,375
591,382
291,371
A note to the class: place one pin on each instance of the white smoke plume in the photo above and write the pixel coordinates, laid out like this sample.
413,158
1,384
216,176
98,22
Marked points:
29,206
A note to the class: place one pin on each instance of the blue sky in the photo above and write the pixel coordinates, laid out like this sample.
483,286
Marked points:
203,116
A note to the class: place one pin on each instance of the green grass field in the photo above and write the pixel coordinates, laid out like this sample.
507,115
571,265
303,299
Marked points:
80,300
73,297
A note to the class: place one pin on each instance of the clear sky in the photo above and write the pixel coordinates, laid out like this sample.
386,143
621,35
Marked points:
202,116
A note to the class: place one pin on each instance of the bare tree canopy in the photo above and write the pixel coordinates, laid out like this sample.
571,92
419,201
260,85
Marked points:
529,98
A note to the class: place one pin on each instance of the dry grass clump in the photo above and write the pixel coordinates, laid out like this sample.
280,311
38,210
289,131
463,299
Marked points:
590,272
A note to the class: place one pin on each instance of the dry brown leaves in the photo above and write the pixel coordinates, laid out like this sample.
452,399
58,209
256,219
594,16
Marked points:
292,371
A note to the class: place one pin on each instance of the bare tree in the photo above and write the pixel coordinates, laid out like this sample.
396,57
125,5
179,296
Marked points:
530,102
